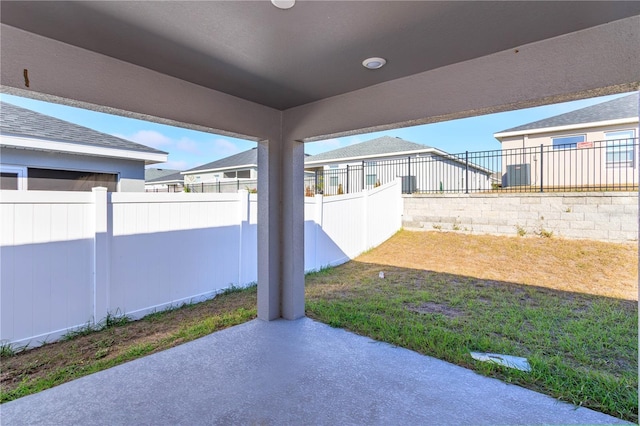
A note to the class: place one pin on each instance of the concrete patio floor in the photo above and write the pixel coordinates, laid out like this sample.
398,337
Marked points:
290,372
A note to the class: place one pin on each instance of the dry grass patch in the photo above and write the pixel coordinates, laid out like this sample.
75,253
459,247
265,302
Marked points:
593,267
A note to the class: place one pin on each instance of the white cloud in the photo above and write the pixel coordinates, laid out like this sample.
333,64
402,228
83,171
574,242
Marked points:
149,138
224,148
188,145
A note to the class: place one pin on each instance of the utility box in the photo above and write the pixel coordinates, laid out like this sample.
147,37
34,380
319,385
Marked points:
408,184
518,174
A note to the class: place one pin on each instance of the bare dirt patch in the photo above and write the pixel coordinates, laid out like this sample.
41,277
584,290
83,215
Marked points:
433,308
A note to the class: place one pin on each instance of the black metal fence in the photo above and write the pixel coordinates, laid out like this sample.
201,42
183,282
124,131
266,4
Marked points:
229,186
609,165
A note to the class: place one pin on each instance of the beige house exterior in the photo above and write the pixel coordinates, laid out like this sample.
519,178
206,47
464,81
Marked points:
596,146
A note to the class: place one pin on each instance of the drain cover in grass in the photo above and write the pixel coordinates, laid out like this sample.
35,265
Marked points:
506,360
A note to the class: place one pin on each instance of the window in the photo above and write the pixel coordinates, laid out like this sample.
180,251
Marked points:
333,181
566,142
12,177
230,175
620,148
244,174
67,180
8,180
371,179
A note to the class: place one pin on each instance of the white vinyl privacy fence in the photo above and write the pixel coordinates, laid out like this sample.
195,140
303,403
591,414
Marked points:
68,259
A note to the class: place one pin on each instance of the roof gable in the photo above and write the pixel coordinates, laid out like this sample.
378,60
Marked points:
245,158
383,146
18,121
176,176
624,107
154,173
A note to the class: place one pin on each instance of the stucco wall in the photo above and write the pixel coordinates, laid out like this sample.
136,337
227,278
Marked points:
131,172
592,134
604,216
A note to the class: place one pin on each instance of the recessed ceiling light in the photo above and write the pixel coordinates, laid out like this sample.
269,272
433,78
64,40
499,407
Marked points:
374,63
283,4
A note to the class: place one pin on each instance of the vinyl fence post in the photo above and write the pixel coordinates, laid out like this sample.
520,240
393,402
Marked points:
319,220
243,216
101,261
541,167
466,172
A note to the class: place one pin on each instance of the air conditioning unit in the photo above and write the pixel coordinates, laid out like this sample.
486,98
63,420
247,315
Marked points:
518,175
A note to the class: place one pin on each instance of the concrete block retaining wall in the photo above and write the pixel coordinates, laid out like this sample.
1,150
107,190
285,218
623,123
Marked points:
604,216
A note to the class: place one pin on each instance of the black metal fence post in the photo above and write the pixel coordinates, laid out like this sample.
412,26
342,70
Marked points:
363,175
541,167
347,178
466,172
409,189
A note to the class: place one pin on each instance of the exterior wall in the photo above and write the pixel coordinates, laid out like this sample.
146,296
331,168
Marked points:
604,216
209,177
163,187
566,167
70,258
130,172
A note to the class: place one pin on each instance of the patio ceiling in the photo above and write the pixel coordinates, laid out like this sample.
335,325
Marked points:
295,59
284,59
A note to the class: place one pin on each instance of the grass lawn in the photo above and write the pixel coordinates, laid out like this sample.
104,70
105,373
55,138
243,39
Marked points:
568,306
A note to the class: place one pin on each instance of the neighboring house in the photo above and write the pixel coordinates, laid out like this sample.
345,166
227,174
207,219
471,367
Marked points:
239,171
163,180
593,146
39,152
372,163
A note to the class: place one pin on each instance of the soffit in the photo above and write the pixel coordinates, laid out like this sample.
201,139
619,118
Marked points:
283,59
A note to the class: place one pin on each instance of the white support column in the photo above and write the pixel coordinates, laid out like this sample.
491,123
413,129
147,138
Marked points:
292,230
269,230
101,265
280,230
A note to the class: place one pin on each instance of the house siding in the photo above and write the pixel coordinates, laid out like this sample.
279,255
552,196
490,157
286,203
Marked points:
131,172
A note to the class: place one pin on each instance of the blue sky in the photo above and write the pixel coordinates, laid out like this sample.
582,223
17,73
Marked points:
189,148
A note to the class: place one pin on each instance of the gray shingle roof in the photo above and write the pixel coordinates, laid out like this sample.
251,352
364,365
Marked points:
624,107
18,121
384,145
177,176
153,173
244,158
